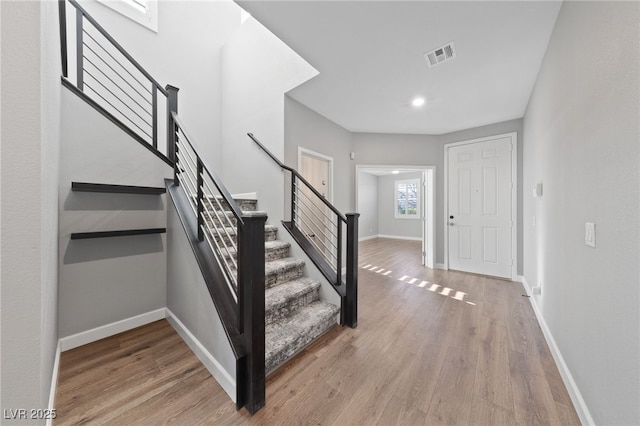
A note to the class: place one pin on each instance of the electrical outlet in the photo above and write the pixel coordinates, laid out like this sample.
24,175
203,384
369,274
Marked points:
537,291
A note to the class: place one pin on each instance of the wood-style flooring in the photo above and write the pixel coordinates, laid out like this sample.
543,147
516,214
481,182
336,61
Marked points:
431,347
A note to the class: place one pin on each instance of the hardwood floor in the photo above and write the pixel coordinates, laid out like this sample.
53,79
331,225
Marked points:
431,347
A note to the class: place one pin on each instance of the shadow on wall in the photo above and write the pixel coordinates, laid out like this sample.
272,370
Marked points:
79,251
85,201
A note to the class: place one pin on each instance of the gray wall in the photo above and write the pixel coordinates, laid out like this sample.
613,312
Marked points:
480,132
387,222
428,150
107,279
186,52
581,134
29,167
307,129
367,205
189,300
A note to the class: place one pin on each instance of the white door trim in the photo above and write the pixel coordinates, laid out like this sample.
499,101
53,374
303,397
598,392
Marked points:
428,211
309,153
514,196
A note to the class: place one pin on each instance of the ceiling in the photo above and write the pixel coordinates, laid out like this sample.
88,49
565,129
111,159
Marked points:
370,58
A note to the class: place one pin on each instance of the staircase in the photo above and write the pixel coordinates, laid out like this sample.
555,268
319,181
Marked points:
294,314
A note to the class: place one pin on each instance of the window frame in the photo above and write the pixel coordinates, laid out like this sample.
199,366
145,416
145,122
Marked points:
397,215
130,9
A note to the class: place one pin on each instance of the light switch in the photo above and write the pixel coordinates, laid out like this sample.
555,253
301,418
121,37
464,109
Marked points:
590,234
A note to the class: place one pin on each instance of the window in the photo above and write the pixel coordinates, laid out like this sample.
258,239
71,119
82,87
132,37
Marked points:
407,199
144,12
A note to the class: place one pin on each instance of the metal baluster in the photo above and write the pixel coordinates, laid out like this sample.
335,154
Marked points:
200,207
79,51
172,107
339,259
154,115
293,199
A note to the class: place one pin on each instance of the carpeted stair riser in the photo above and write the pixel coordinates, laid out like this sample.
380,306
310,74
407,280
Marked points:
226,218
270,234
284,299
289,336
246,205
273,250
282,270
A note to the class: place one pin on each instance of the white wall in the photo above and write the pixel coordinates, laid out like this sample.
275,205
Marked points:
186,53
367,205
581,141
29,169
106,280
257,70
388,225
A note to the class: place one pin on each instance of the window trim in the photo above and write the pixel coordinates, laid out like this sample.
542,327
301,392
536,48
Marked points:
128,8
417,214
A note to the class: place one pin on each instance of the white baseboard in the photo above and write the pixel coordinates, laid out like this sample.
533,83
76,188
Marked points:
525,284
225,380
108,330
370,237
567,377
54,384
399,237
441,266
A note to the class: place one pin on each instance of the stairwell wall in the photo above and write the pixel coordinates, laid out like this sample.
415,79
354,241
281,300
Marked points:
106,280
186,53
257,70
189,300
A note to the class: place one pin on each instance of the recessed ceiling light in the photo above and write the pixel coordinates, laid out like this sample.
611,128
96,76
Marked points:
395,172
418,102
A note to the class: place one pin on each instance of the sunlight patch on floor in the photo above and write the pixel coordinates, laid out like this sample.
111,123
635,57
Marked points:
446,291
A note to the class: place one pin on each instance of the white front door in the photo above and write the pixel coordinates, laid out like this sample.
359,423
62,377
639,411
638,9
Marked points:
479,207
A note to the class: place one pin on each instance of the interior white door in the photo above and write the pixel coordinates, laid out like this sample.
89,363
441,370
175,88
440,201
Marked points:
479,207
314,216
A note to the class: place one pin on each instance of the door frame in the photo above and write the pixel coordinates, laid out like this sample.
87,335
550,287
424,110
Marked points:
428,205
309,153
514,196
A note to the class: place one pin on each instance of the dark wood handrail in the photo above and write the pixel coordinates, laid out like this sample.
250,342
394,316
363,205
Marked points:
333,274
117,45
299,176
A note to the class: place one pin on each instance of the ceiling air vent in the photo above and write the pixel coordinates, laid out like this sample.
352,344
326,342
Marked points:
440,55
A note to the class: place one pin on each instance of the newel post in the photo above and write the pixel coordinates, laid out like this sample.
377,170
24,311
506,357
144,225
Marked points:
172,107
251,286
350,300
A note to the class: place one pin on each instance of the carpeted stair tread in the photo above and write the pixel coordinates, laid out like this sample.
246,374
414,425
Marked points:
288,336
282,270
284,299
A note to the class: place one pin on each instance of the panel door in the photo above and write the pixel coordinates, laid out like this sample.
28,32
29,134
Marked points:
479,207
